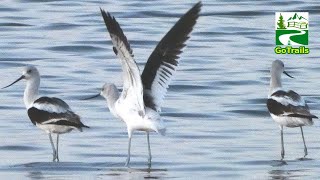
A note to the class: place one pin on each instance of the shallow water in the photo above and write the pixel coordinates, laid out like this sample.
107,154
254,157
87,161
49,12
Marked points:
218,124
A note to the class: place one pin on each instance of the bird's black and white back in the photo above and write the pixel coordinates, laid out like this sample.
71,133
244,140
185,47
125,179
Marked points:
53,111
289,109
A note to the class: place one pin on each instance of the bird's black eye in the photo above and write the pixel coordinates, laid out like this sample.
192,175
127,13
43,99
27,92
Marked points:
29,71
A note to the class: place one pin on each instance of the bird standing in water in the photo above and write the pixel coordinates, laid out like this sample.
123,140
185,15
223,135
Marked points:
52,115
140,101
287,108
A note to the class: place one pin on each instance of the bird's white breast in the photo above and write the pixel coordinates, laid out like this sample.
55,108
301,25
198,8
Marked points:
134,120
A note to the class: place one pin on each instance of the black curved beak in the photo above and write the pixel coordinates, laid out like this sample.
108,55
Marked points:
22,77
284,72
91,97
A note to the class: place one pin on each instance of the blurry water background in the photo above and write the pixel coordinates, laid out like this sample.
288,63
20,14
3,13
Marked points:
218,124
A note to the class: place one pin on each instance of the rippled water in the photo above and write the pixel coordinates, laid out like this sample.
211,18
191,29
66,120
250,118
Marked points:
218,124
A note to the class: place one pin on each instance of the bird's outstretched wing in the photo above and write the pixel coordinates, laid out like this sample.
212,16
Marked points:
46,110
163,61
291,104
132,84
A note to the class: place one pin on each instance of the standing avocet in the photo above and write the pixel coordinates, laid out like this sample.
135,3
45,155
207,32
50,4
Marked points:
139,103
52,115
287,108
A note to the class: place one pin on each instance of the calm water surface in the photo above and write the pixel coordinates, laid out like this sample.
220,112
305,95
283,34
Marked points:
218,124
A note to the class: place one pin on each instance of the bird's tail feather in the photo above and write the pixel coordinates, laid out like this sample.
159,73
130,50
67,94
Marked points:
162,131
82,126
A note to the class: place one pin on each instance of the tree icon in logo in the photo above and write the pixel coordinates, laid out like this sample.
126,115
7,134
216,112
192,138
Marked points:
281,24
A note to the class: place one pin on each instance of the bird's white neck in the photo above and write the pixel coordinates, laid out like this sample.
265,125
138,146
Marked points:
31,92
275,82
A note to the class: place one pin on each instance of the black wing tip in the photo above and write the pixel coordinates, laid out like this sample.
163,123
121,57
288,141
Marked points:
190,17
114,28
195,10
85,126
315,117
106,14
110,21
198,6
82,126
310,116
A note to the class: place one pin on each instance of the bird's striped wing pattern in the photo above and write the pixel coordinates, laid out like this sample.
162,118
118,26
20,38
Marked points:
163,61
54,111
291,104
132,84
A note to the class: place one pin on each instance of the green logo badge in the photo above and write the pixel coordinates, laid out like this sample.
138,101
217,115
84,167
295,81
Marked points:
292,32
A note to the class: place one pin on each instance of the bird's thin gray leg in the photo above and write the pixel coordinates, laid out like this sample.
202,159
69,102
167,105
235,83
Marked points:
282,145
304,143
57,155
149,150
53,148
128,157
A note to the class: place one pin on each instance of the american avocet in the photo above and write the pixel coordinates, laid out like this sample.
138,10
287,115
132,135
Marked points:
52,115
287,108
139,103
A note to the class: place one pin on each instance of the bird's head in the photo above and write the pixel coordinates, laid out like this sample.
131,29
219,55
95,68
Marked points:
106,91
278,68
28,73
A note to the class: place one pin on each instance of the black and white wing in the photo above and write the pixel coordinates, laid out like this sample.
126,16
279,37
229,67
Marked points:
132,84
54,111
290,104
163,61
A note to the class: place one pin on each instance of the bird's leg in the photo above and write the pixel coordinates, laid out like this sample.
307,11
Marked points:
282,145
129,146
57,154
149,150
53,148
304,143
